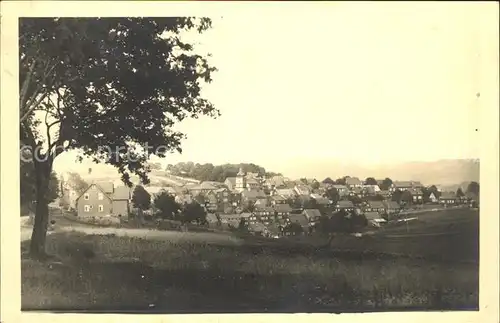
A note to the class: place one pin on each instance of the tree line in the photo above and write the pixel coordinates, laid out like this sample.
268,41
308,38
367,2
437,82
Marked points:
216,173
165,206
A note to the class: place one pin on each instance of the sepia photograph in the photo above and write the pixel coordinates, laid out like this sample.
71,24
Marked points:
324,161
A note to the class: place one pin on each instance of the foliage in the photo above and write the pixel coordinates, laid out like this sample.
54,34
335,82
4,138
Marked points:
341,181
340,222
113,82
333,194
76,183
119,83
166,205
219,173
294,228
315,185
243,225
397,195
460,193
473,187
356,200
141,199
386,184
406,197
329,181
194,212
304,201
370,181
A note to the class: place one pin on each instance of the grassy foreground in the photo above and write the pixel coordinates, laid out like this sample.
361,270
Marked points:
159,276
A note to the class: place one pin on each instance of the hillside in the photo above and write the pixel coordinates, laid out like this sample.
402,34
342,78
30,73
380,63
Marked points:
441,172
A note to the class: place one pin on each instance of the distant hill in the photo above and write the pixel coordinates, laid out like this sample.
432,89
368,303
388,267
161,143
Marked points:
441,172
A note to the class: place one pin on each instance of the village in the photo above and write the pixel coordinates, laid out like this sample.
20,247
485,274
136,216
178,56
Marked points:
268,206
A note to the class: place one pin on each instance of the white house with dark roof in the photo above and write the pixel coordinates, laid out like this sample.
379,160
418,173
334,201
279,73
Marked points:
375,206
344,205
352,182
405,185
103,199
448,198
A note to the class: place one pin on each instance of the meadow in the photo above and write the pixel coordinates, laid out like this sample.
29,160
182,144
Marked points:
110,273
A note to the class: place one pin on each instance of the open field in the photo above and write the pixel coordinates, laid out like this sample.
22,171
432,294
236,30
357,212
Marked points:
155,275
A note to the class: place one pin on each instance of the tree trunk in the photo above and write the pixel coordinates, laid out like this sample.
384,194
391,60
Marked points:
38,237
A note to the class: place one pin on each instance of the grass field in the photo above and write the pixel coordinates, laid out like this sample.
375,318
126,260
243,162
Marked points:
160,276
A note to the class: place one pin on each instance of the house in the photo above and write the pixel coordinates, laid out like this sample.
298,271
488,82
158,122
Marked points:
344,205
223,195
252,183
275,182
374,218
356,191
282,211
230,183
252,196
301,189
371,189
231,220
433,198
404,185
278,199
392,207
320,200
264,214
352,182
285,192
262,202
202,188
211,202
341,189
375,206
258,229
448,198
417,195
384,193
104,199
312,215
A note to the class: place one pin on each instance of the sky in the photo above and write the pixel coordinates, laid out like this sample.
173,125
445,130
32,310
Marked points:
365,85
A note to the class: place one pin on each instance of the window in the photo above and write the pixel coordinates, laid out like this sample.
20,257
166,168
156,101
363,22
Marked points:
86,196
101,208
86,208
100,196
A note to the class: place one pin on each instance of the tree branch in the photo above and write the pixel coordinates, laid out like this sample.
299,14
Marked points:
28,105
24,89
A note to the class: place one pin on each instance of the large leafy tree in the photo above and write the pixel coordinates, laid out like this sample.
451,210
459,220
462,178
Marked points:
117,83
141,199
194,212
473,187
166,205
370,181
386,184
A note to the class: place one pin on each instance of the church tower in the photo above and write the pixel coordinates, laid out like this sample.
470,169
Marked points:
241,182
